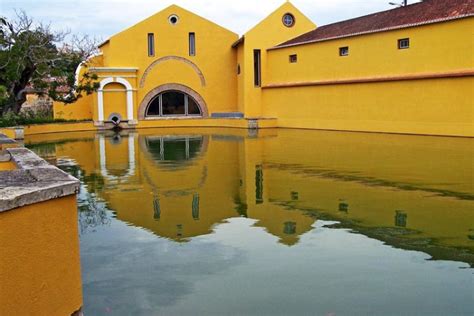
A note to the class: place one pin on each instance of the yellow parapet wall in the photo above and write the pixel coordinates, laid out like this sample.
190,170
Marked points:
7,165
426,107
39,262
52,128
58,128
39,265
235,123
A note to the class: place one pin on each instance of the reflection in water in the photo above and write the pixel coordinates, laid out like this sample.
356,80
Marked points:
174,151
259,184
290,228
295,196
209,211
196,206
156,208
343,207
401,219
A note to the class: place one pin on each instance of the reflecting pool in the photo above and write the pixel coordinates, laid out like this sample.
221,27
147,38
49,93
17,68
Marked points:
279,222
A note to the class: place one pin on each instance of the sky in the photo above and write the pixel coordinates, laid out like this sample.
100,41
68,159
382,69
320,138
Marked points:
103,18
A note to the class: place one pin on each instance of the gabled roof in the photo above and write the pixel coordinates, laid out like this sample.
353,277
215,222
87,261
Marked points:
426,12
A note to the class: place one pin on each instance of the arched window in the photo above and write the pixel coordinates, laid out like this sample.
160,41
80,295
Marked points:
174,151
173,103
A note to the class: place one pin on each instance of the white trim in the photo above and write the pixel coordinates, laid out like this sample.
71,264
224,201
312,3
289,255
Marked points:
124,82
100,106
114,69
123,76
100,97
105,82
117,90
103,158
79,67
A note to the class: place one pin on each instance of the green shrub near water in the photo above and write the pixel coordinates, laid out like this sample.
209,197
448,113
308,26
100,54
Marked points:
10,120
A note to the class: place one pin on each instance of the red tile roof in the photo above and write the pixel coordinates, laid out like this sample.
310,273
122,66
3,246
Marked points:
428,11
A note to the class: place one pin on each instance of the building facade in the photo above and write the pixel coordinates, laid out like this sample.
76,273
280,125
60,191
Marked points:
406,70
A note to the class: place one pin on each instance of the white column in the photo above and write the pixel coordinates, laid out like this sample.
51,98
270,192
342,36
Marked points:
130,105
100,105
102,156
131,154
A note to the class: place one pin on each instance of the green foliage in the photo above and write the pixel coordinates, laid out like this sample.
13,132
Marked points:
11,119
33,56
3,97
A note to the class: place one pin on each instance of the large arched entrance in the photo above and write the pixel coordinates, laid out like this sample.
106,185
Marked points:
172,100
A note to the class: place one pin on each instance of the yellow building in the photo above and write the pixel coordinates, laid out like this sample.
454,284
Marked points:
405,70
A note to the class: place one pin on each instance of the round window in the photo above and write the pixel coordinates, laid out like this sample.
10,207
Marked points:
288,20
173,19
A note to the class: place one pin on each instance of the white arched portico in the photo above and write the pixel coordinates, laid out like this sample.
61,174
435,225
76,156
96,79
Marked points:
100,97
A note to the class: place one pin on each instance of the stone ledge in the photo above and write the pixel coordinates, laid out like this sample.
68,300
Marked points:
5,140
33,182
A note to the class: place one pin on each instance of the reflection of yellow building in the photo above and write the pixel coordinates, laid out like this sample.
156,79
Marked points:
180,183
395,71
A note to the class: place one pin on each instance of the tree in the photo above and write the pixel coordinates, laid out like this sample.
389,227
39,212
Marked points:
34,56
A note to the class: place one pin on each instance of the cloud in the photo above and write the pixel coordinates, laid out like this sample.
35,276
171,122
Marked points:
104,18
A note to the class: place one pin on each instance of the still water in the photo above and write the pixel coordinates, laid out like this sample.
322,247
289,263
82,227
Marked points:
279,222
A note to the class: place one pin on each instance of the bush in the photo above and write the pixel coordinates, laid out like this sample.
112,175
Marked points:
10,119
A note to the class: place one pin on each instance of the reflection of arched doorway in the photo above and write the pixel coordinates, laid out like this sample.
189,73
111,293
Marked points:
112,168
173,103
171,100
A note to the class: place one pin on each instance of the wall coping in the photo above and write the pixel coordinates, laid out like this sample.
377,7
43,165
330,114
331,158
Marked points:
33,181
113,69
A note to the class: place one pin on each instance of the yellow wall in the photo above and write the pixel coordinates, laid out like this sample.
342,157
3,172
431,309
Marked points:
435,106
264,35
236,123
214,56
428,106
115,100
79,110
434,48
39,262
7,165
58,128
9,132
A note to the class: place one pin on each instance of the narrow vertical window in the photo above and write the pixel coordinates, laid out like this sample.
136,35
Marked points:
257,67
151,44
192,44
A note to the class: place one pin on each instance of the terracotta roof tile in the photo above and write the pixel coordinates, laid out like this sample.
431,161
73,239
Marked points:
428,11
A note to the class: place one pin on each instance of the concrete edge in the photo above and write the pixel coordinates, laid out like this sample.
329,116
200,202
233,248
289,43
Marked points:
33,182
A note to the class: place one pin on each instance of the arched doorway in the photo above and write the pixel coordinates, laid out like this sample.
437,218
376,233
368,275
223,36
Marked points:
115,101
172,100
129,97
173,103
